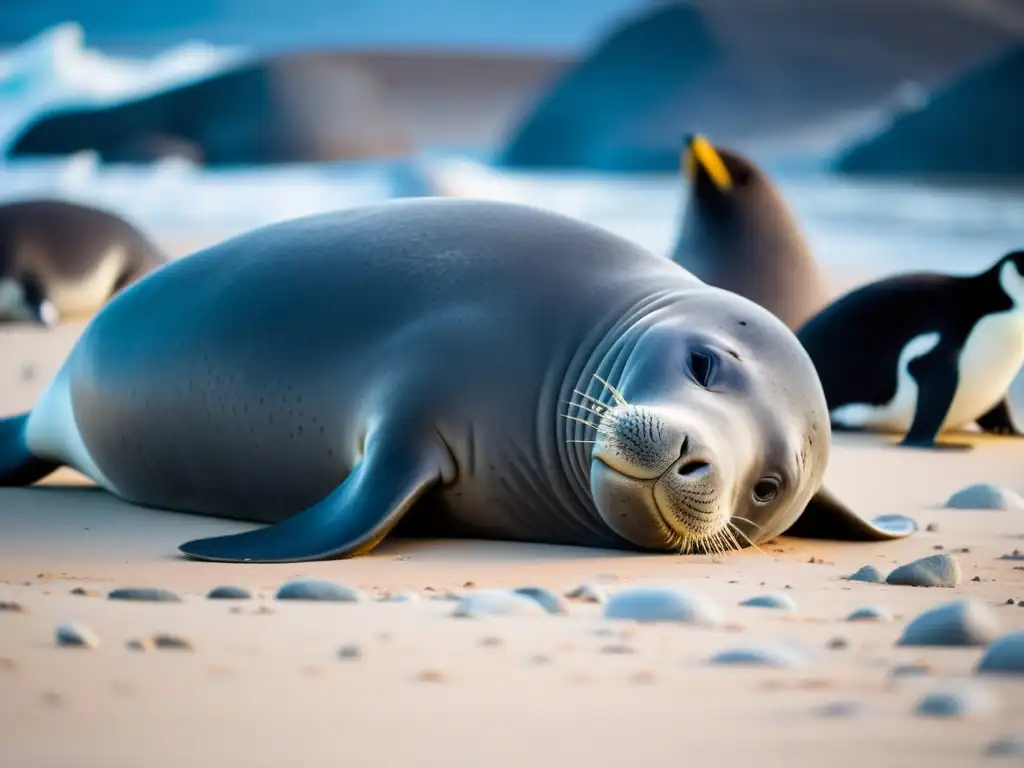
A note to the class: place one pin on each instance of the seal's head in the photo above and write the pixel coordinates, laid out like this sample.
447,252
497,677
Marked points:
712,432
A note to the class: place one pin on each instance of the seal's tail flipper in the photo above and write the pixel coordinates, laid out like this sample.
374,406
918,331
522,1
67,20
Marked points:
18,465
826,517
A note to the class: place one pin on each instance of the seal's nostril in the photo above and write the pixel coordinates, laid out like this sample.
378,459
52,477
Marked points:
694,468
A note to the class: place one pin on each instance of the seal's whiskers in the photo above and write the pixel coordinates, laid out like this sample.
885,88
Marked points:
736,528
615,393
594,400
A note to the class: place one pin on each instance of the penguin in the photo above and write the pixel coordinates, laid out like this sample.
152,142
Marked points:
923,353
62,260
737,232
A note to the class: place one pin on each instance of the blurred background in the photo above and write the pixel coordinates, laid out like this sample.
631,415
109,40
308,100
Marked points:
894,127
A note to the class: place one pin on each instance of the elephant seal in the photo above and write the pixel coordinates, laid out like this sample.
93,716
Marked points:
481,369
737,233
61,260
923,352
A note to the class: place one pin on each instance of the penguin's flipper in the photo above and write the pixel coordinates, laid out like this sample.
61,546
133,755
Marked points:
18,465
937,378
999,420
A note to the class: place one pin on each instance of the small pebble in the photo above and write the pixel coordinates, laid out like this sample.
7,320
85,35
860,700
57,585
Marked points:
870,613
653,603
932,571
642,677
228,593
588,592
497,602
938,546
964,622
540,659
761,655
145,594
837,643
932,528
1010,601
840,709
1005,655
618,648
1015,555
867,573
10,607
431,676
548,600
318,589
161,642
985,496
83,592
957,701
491,642
75,636
350,651
917,669
1010,746
403,597
778,600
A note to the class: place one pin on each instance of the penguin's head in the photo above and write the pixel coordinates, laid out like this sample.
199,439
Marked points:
24,299
720,177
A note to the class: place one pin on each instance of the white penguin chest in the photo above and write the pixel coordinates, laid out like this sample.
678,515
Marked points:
990,359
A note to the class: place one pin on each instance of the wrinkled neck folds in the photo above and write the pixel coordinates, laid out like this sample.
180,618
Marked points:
589,382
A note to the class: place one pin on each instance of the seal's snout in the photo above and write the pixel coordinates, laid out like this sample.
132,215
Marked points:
694,469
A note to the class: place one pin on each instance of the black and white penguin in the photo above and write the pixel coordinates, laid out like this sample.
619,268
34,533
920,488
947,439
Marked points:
923,353
60,260
738,233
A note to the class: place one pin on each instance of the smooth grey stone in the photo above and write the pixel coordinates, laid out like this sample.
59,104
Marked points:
957,701
867,573
548,600
653,603
350,651
1005,655
1009,746
779,656
318,589
589,592
985,496
840,708
163,642
497,602
916,669
145,594
933,571
228,593
870,613
1015,555
964,622
778,600
75,635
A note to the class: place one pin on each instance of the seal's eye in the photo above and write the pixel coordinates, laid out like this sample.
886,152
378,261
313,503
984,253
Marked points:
765,490
703,368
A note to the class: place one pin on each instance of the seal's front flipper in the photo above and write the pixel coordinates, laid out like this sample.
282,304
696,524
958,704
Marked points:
826,517
937,378
999,420
351,520
18,465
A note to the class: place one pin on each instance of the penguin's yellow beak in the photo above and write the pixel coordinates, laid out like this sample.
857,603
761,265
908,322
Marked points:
700,151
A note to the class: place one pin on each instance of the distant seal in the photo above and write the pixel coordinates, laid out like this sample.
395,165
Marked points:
923,353
60,260
491,369
737,233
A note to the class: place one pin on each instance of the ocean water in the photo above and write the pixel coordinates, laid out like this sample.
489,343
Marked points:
870,228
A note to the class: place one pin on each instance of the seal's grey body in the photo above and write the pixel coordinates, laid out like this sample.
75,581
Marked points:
64,260
415,355
738,233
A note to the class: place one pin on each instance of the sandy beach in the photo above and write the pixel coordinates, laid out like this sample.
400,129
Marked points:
264,683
